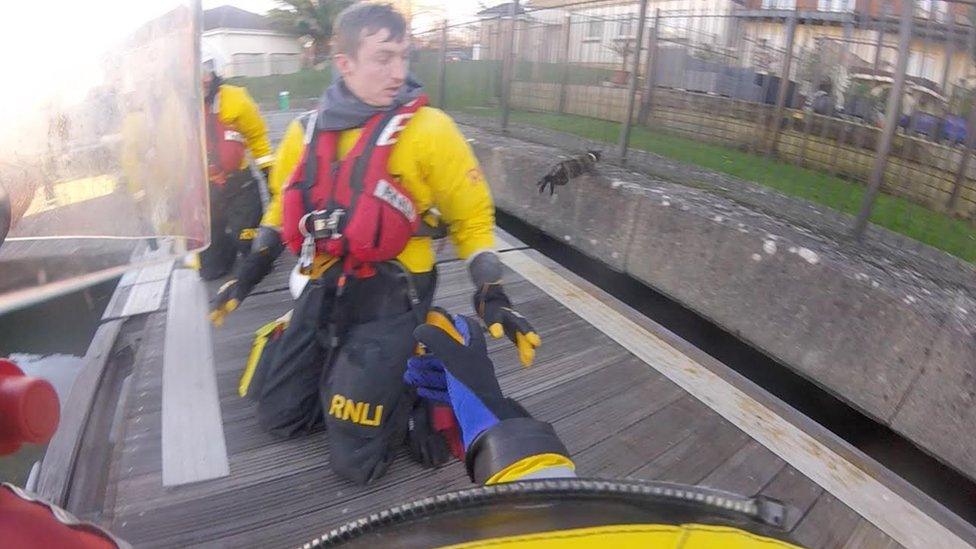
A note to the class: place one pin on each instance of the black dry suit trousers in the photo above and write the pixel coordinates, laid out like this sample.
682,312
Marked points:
235,211
361,396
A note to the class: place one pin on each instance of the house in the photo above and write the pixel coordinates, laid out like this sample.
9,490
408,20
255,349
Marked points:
599,34
938,51
493,30
249,44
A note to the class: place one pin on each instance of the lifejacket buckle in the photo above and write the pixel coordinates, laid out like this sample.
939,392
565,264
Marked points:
322,224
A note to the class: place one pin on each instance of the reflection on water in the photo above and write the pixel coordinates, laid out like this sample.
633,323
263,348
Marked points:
48,341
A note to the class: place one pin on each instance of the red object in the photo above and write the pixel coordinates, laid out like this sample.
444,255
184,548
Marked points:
225,148
28,524
29,409
443,420
380,215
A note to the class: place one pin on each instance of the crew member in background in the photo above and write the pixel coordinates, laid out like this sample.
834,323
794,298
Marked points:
233,124
267,244
377,161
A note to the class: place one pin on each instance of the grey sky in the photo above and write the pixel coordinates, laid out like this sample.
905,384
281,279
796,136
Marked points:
428,11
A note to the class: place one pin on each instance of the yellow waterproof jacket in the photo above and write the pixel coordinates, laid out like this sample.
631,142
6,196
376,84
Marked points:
436,166
236,109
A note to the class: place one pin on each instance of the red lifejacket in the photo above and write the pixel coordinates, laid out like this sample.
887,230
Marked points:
225,146
375,215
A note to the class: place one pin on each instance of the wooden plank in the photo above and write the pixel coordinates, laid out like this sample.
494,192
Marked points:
867,536
627,450
117,302
154,273
145,298
796,490
875,501
59,459
139,298
747,471
192,431
828,525
696,456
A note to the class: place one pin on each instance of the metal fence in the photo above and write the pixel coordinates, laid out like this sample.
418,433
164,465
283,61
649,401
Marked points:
871,99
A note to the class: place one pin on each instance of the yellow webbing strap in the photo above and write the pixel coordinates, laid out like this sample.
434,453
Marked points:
261,337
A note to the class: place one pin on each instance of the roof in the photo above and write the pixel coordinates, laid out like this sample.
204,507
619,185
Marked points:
500,10
230,17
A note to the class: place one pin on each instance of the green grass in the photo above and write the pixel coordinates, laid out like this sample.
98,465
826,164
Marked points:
936,229
300,85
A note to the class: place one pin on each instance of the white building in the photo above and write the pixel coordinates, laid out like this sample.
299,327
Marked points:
603,33
249,44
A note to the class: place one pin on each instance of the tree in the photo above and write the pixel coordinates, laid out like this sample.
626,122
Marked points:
624,48
311,18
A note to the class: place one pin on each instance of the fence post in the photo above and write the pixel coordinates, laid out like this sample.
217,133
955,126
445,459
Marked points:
649,80
442,68
963,170
891,120
808,113
950,53
508,66
882,23
632,90
845,63
564,77
784,84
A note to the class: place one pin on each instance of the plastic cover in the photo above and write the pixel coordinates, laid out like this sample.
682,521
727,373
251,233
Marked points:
102,163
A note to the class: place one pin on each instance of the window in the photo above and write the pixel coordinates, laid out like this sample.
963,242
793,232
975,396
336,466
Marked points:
835,5
625,28
779,4
594,29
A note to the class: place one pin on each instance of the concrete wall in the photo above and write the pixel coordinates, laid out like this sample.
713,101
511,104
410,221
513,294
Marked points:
902,352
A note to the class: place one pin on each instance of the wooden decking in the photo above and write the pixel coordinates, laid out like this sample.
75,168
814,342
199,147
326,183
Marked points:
617,415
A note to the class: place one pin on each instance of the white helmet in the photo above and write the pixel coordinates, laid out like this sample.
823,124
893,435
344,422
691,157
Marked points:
210,59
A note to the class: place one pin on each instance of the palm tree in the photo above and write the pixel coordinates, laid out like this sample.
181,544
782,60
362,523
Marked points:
311,18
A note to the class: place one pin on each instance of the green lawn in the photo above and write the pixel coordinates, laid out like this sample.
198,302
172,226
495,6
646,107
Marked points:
954,236
300,85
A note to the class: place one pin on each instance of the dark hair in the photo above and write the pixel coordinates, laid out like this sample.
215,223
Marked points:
366,19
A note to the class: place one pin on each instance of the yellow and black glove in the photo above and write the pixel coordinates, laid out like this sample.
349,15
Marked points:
495,309
254,267
227,300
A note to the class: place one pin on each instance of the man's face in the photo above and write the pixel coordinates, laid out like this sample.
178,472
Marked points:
377,71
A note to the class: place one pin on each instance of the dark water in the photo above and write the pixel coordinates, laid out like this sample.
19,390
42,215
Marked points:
48,340
939,481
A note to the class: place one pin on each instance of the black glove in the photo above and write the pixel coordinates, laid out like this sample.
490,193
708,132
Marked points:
427,446
495,309
253,268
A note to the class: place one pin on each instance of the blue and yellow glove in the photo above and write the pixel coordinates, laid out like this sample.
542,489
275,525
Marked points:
502,442
458,372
